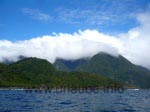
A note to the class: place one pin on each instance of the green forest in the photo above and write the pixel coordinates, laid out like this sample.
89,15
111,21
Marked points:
34,72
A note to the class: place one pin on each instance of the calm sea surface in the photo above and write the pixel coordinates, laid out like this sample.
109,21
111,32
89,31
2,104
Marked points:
21,101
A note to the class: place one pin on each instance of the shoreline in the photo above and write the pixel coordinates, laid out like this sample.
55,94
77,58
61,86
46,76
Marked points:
54,88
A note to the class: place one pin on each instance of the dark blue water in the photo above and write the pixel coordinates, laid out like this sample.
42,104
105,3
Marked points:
128,101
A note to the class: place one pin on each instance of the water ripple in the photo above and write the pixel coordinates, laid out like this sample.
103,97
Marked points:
20,101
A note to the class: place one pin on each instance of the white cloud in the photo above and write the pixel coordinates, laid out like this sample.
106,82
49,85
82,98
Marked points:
36,14
67,46
98,13
134,45
90,17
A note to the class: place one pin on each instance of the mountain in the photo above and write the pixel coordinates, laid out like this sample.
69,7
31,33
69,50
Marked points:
2,67
28,71
68,65
32,65
32,72
118,68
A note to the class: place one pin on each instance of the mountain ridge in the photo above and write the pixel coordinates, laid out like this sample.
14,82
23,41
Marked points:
32,72
118,68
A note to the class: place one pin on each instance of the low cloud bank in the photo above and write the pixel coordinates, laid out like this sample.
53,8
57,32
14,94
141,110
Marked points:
65,46
133,45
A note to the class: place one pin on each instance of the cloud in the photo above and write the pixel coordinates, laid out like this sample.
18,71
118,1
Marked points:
133,45
66,46
136,43
36,14
88,17
100,13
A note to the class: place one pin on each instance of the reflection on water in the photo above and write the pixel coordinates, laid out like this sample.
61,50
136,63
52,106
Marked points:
128,101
